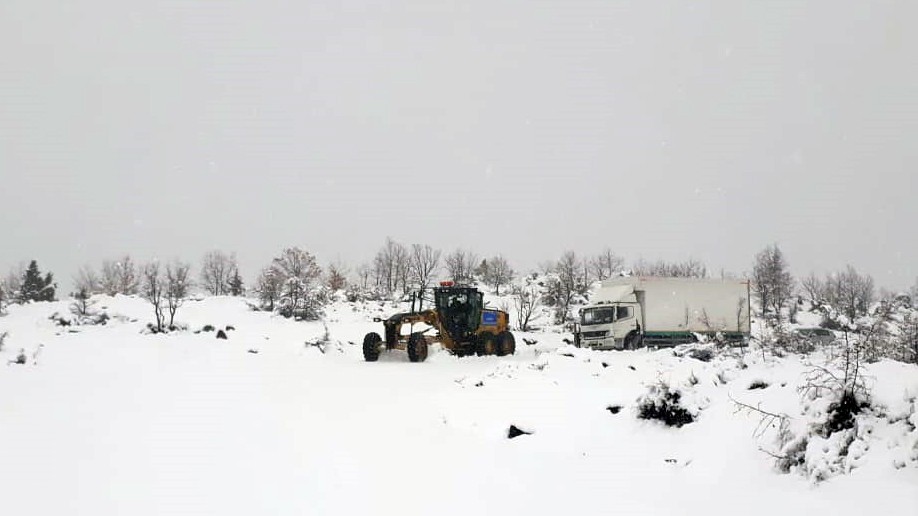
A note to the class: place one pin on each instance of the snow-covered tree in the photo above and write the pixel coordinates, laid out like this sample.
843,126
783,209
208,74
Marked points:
298,275
236,286
268,288
771,280
35,287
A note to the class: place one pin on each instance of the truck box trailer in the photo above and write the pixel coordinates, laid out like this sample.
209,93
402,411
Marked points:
630,312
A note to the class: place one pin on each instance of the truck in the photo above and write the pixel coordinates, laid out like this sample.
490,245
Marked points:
632,312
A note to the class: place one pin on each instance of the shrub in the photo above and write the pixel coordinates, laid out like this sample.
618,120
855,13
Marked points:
664,404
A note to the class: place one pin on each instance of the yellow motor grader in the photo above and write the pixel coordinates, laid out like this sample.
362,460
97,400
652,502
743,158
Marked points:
462,323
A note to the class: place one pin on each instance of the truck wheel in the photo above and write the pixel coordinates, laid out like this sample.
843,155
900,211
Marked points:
371,346
417,348
506,343
487,345
633,341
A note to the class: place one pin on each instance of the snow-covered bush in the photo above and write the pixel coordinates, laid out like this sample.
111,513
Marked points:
664,403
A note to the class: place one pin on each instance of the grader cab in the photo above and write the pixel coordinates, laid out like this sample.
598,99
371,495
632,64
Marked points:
461,323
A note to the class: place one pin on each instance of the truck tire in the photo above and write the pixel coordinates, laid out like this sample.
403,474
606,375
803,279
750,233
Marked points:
506,343
417,348
487,344
633,341
371,346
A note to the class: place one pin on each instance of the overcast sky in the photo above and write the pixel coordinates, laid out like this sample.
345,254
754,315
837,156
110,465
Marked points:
659,129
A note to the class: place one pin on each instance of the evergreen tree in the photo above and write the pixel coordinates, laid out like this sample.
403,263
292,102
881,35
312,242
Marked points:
34,287
236,287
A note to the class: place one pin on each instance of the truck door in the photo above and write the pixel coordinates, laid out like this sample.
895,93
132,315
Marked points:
625,321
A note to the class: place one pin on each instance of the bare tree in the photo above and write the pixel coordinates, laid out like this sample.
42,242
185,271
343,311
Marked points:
460,266
497,272
402,258
813,288
690,268
216,272
425,261
391,267
153,290
565,282
606,265
336,275
526,302
851,292
177,285
86,280
364,273
129,282
772,283
119,277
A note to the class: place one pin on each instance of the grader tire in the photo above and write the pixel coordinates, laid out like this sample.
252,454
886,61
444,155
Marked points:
417,348
506,343
371,347
488,345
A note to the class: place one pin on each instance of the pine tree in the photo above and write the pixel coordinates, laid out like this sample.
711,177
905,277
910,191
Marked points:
34,287
236,287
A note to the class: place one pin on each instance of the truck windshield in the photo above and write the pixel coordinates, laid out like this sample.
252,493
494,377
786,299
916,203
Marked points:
602,315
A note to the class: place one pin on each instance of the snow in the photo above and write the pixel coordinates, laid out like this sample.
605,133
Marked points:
109,420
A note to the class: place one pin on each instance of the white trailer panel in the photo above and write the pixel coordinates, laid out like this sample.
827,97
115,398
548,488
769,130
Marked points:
683,304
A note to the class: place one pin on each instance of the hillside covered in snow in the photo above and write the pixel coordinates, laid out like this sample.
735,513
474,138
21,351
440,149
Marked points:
285,417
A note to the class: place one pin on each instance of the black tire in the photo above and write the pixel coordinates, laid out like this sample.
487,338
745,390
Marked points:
506,343
633,341
417,348
371,346
487,344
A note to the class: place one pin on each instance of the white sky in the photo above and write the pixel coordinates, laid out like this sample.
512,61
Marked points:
659,129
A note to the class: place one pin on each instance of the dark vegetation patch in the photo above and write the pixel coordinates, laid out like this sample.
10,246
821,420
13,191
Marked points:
705,355
514,431
664,404
758,384
842,413
221,334
615,409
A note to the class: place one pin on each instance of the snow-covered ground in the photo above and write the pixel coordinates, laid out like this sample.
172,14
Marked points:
109,420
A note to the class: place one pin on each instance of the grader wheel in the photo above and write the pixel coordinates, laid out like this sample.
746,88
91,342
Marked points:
417,348
488,345
371,346
506,343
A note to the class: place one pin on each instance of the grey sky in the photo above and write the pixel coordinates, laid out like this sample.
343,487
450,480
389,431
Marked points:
659,129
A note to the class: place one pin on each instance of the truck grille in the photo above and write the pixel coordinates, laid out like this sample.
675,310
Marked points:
595,334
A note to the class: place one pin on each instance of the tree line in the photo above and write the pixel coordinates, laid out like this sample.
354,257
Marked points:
295,285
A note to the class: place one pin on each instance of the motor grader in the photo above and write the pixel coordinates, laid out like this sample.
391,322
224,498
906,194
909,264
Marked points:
462,324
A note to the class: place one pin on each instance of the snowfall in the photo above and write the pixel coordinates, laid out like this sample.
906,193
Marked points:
109,419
